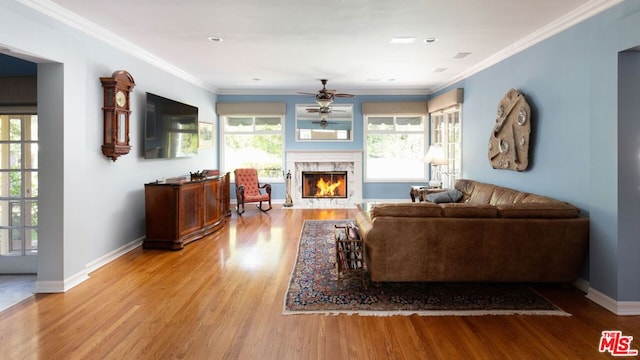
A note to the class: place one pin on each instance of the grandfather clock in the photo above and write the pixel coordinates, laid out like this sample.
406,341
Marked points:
116,111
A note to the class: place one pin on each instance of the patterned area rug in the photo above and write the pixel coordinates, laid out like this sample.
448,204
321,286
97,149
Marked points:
314,289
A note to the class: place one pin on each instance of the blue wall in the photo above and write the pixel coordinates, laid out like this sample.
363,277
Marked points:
579,135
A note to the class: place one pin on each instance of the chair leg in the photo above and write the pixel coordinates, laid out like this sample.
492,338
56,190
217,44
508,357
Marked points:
240,198
264,210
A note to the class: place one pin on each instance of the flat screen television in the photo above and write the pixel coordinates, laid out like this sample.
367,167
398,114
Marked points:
170,128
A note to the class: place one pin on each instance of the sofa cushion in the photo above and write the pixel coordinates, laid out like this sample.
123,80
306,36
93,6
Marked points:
481,193
449,196
423,209
506,196
460,210
538,210
533,198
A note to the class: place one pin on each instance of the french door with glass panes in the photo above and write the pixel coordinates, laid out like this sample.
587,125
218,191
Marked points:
18,184
446,133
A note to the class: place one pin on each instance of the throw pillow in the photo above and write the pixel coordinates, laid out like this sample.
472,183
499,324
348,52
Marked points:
448,196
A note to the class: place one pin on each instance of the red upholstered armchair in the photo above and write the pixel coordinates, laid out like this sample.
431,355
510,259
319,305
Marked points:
248,189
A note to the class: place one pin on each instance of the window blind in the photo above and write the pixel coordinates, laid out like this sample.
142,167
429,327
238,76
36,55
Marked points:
231,109
395,108
448,99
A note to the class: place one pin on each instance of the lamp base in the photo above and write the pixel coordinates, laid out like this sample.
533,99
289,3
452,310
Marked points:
435,184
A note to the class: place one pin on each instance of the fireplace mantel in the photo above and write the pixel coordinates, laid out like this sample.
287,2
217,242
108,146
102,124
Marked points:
345,160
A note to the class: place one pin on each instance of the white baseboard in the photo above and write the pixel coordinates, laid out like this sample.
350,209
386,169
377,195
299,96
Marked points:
622,308
109,257
60,286
73,280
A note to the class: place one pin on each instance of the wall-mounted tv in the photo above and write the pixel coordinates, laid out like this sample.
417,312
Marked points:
170,128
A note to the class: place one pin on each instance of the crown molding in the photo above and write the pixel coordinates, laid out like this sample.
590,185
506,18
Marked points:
580,14
73,20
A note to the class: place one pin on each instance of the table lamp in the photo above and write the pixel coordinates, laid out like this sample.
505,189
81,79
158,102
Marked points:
435,156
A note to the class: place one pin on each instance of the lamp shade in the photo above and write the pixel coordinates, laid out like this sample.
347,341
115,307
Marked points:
435,156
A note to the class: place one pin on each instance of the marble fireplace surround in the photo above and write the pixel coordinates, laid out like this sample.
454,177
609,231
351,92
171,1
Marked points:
326,160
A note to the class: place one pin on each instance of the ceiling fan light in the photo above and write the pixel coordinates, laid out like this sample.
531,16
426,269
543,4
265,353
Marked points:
323,102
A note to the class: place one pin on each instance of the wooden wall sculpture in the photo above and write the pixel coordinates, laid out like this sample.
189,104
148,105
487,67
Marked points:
509,140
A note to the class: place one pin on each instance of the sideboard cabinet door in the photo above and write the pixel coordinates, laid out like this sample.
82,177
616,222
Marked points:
190,208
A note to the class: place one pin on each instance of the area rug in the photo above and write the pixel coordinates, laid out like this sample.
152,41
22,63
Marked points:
313,288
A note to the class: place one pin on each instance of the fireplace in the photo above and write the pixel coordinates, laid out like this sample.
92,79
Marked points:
326,161
324,184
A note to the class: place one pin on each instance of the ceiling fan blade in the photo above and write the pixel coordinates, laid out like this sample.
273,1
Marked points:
325,95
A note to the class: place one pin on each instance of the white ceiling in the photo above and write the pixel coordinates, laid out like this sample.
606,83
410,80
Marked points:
284,46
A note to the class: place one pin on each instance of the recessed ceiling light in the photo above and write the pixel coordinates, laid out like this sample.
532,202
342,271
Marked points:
215,38
462,55
403,40
430,40
256,79
438,70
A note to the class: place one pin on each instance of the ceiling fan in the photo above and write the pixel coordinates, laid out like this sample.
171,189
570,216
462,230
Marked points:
325,96
324,112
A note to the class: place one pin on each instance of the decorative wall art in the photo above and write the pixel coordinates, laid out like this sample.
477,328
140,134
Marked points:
509,139
205,131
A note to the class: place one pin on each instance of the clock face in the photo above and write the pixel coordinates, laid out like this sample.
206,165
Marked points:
121,99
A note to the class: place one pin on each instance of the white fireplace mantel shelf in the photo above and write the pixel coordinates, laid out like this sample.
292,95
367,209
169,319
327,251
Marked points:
350,161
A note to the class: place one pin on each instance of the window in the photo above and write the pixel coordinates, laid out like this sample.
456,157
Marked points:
254,142
18,184
335,124
445,133
395,147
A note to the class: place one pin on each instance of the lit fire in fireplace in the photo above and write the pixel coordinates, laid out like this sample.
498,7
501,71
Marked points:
327,188
324,184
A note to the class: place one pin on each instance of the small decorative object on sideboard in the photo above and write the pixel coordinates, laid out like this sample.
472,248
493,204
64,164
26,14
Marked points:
199,175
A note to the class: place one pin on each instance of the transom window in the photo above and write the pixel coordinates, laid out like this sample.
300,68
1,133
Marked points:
395,147
254,142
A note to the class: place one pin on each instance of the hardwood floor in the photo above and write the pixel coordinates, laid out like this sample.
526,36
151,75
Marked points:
222,298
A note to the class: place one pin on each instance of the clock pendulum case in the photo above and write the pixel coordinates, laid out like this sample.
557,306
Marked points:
509,139
116,111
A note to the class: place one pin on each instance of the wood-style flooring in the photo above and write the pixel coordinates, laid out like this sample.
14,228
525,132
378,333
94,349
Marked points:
222,298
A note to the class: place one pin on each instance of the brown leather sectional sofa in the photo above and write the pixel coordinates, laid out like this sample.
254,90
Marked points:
491,234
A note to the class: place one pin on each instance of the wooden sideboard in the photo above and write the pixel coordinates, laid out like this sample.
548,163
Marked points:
177,214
